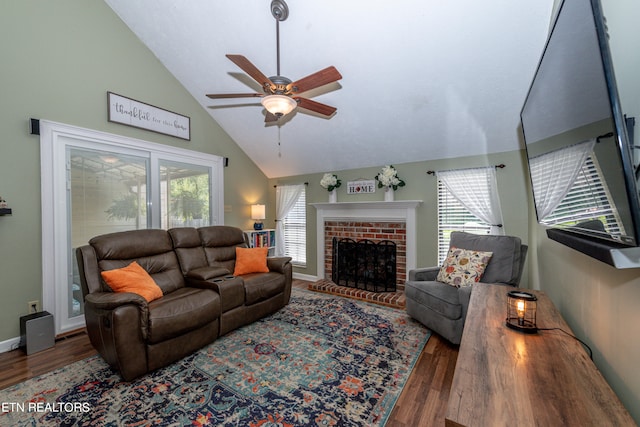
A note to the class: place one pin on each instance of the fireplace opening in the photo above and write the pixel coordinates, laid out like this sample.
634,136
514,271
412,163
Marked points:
364,264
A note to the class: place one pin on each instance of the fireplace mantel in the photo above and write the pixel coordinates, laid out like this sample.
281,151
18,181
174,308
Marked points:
383,206
401,210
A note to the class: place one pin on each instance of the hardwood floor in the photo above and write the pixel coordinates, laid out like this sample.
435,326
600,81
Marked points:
423,401
16,366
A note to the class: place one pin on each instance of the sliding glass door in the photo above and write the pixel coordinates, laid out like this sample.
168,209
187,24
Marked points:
107,184
107,193
185,194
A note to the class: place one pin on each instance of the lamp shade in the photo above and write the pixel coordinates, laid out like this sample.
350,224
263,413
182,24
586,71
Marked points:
257,212
278,105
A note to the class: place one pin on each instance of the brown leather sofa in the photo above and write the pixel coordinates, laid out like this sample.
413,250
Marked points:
207,256
201,298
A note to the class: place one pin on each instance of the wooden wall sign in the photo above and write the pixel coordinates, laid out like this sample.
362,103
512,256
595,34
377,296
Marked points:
134,113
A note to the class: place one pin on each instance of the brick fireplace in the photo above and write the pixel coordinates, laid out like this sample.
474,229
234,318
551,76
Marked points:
375,231
376,221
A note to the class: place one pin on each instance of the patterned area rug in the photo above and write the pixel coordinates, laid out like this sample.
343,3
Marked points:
322,360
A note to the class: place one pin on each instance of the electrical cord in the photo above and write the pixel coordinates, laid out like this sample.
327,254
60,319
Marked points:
572,336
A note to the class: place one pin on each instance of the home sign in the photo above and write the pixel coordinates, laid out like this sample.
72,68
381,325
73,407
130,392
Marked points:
361,186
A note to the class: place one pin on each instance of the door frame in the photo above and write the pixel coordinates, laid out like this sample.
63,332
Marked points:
54,140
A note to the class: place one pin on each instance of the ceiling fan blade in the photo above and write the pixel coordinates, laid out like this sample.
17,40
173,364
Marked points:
250,69
269,117
233,95
317,79
307,104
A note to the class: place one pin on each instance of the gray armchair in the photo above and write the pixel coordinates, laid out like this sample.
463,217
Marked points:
442,307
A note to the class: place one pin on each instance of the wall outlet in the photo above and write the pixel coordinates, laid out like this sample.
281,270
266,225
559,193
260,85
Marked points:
34,307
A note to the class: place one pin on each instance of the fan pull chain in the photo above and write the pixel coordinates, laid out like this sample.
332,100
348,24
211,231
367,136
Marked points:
279,143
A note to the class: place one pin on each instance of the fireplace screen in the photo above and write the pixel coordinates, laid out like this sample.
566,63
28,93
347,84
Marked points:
364,264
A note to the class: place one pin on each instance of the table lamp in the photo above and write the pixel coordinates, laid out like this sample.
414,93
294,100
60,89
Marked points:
257,214
521,311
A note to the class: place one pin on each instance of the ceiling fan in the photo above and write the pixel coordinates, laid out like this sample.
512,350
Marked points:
281,95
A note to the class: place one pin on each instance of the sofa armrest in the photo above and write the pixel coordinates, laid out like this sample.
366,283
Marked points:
464,296
117,325
213,284
428,274
207,273
105,302
112,300
278,264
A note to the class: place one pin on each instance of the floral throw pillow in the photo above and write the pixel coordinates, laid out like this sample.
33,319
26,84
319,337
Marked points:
463,267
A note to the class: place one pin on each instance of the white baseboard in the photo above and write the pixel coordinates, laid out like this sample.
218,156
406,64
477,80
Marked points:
306,277
10,344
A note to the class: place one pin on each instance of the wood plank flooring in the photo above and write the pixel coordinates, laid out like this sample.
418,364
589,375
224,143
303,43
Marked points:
423,401
16,366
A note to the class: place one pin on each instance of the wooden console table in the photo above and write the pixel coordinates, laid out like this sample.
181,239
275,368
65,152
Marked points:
508,378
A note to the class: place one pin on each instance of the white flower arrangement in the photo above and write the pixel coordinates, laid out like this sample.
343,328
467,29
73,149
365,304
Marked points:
388,177
330,181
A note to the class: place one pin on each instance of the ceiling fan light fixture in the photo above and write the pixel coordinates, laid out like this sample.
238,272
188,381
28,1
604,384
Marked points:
281,95
279,105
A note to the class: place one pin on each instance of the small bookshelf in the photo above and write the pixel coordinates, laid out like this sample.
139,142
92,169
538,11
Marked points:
262,238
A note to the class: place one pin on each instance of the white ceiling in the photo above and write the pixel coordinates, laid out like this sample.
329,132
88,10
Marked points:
422,79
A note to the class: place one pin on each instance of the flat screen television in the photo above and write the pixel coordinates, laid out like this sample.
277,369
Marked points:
577,141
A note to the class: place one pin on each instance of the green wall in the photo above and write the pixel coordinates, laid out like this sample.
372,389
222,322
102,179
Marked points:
59,59
420,186
600,304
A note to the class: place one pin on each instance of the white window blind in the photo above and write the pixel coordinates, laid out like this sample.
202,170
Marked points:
295,231
587,199
452,216
554,173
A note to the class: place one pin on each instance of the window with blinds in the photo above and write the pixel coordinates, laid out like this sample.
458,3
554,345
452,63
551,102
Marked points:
295,232
587,199
452,216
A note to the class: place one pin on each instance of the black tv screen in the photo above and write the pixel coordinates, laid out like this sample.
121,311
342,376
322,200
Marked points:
576,135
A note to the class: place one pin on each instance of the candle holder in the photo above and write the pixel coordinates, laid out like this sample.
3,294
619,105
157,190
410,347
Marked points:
521,311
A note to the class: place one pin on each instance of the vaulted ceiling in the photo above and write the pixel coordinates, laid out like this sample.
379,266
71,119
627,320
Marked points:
422,79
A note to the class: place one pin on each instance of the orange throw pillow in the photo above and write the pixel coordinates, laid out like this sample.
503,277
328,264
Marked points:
251,260
132,278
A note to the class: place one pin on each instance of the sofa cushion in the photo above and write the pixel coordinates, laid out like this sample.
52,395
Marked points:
251,260
504,266
181,311
220,242
132,278
261,286
221,235
151,248
186,242
131,244
163,268
442,299
463,267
